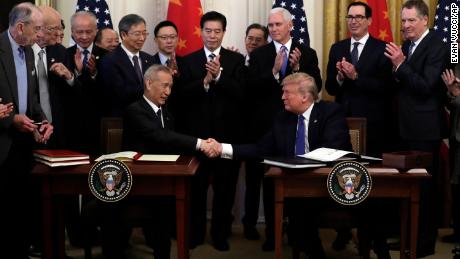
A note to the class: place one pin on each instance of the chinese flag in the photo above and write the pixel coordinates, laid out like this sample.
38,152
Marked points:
186,14
380,27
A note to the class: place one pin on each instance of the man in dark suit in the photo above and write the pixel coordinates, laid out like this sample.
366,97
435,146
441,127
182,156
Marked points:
305,125
268,65
18,131
359,75
84,59
149,128
166,38
420,97
213,89
122,69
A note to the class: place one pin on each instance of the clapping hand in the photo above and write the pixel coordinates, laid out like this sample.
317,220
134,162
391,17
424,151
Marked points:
278,62
43,133
60,70
452,82
294,59
395,54
5,109
347,70
173,65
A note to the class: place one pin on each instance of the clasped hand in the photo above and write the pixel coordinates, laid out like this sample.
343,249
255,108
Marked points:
211,148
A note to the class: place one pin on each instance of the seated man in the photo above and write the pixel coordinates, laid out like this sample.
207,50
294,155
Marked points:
149,128
304,125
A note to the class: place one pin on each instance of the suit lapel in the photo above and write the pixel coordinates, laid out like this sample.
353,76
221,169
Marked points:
291,131
150,111
9,67
366,51
313,127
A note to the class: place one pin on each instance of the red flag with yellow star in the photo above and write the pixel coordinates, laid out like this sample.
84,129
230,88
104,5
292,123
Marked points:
380,27
186,14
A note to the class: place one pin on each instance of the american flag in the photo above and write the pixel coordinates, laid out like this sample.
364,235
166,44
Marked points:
299,31
442,19
99,8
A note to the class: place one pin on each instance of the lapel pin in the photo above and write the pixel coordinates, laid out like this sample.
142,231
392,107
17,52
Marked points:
315,121
52,60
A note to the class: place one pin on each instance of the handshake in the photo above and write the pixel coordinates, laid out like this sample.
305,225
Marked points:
211,148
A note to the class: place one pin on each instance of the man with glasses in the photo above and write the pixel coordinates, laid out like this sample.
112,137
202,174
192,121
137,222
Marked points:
421,93
19,130
166,38
213,91
359,75
122,69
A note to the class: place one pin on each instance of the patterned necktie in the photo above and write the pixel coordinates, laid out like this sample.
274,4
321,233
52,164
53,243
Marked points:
160,117
43,86
137,68
285,61
300,137
168,62
85,58
354,53
21,52
212,56
411,50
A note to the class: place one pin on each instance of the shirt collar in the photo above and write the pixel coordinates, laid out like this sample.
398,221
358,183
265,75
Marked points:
90,48
362,41
154,107
37,49
421,38
14,44
163,58
307,113
287,45
129,53
215,52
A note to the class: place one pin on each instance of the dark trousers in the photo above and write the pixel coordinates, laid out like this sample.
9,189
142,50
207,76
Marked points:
15,222
223,175
116,220
254,176
428,217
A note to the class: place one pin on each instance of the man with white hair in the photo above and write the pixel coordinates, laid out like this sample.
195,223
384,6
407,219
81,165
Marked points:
268,66
19,129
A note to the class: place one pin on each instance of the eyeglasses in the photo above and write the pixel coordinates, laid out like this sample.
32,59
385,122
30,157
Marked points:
137,34
167,37
357,18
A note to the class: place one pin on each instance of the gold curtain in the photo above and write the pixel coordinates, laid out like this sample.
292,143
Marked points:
51,3
335,27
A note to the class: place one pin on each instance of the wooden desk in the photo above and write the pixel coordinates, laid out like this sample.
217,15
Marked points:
149,179
386,183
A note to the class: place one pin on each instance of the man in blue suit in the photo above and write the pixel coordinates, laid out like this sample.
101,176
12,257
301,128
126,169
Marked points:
421,94
122,69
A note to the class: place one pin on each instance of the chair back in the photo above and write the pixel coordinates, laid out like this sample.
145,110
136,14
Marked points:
111,134
358,134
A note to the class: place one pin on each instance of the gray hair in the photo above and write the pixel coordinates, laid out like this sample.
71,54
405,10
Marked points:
129,20
21,13
152,72
82,13
305,81
286,14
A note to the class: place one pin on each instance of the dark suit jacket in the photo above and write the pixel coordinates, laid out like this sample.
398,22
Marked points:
218,112
175,103
421,92
121,85
84,105
142,131
59,92
327,128
265,91
9,135
370,95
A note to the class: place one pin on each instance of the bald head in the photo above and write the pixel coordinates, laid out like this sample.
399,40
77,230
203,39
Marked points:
52,26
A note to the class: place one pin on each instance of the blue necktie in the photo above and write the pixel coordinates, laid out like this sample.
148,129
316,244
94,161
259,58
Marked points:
22,82
285,61
300,137
85,58
354,53
411,50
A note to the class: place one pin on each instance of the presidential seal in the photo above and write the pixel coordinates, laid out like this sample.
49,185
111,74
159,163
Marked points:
110,180
349,183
